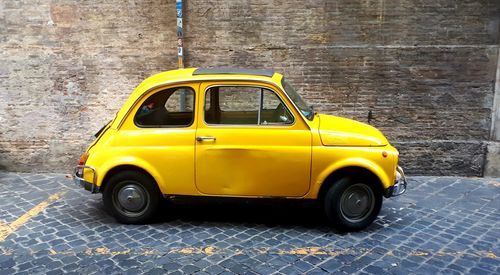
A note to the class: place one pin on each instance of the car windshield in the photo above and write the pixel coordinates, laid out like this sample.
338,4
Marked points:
295,97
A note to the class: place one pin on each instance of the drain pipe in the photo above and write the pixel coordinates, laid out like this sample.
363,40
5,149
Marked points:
180,50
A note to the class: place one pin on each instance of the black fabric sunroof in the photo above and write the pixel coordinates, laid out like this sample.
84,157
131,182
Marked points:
202,71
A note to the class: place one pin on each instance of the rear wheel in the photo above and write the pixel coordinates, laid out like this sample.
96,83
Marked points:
132,197
352,204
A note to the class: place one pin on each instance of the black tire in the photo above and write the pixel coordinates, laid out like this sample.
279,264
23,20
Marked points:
132,197
352,204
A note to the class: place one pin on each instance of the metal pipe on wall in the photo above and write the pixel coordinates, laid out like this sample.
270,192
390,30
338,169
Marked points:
180,50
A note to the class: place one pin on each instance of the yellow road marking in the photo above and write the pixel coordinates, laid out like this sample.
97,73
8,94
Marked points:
7,229
420,253
494,183
319,251
301,251
488,254
211,250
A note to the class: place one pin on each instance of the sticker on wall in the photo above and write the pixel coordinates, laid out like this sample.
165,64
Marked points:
178,7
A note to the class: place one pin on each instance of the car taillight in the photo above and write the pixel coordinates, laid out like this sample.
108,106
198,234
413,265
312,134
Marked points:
83,158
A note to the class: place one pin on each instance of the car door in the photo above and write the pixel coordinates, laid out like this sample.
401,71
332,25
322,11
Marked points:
250,143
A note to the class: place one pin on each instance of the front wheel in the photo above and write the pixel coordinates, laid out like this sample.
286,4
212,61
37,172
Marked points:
132,197
352,204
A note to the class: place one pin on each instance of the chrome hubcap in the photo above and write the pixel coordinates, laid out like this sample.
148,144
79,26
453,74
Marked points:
131,198
357,202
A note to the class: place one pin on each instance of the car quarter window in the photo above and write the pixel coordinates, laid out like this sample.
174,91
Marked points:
167,108
245,105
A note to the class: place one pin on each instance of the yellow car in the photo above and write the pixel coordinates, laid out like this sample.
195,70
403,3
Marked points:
237,133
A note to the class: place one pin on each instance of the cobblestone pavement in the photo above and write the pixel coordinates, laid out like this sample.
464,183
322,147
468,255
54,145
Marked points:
441,225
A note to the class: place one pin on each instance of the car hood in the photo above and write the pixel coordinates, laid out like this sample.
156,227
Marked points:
338,131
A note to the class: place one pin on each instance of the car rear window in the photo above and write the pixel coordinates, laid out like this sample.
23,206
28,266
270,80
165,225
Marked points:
167,108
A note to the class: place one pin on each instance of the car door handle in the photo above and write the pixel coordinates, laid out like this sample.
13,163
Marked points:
205,138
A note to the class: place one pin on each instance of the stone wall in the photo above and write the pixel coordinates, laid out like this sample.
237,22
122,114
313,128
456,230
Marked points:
67,67
426,69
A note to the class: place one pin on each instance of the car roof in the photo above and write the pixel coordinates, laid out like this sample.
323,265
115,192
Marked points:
207,74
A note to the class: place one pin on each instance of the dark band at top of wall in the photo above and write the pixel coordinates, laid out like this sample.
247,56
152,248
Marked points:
203,71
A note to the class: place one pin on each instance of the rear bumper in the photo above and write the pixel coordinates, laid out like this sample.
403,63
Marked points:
80,181
399,186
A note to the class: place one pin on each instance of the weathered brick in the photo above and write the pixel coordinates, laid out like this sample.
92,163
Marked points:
426,69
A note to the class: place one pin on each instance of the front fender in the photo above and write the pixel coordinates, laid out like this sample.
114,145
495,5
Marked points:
371,166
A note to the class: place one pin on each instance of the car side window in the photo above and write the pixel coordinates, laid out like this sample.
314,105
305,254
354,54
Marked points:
167,108
245,105
273,110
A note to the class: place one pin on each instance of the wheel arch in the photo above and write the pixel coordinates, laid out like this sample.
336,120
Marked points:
353,171
128,167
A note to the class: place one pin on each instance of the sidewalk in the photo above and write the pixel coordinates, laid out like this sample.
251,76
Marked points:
442,224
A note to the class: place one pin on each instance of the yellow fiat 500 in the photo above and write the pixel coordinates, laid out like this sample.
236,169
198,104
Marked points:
236,133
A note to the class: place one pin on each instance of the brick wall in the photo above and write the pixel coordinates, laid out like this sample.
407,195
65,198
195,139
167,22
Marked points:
66,68
426,69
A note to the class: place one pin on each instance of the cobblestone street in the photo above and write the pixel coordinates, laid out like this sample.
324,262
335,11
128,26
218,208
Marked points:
441,225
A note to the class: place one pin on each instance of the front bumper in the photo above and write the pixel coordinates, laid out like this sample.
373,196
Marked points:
80,181
399,186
